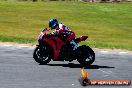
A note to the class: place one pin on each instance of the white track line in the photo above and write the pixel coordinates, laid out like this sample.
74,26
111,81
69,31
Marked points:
23,46
18,46
104,51
123,52
112,52
108,73
7,45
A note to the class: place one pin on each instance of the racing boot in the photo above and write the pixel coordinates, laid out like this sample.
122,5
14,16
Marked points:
75,44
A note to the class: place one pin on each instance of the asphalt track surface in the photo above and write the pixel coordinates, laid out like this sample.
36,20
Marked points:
19,70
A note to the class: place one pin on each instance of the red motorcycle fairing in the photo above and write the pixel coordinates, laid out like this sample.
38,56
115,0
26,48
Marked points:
56,43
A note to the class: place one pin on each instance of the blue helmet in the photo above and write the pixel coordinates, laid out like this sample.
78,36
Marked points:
53,23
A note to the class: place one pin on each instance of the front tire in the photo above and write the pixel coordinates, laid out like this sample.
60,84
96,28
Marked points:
42,54
86,55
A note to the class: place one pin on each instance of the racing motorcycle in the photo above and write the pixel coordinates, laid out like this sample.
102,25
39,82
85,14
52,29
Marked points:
53,47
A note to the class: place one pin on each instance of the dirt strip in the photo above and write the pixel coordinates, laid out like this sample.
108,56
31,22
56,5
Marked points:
95,49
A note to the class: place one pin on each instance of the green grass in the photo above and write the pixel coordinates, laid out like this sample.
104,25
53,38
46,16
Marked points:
108,25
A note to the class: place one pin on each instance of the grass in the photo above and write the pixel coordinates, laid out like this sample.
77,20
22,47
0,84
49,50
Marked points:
108,25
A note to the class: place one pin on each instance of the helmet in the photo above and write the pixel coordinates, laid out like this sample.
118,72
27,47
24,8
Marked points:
53,23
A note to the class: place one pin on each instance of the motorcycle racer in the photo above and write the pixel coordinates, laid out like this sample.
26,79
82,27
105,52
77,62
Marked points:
60,29
61,45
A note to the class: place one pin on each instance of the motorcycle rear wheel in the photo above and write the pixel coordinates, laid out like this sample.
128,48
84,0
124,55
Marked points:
86,55
42,55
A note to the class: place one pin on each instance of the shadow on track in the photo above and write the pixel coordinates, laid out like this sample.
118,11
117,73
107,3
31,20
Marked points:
72,65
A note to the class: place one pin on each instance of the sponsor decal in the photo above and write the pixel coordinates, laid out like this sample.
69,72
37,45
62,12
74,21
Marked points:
86,81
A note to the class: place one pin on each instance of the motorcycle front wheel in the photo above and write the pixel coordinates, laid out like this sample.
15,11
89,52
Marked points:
86,55
42,54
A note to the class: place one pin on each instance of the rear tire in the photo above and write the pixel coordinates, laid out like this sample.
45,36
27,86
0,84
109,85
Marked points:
42,54
86,55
